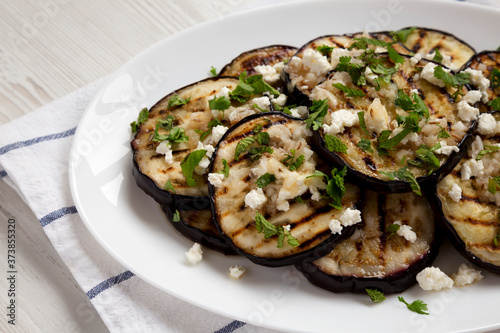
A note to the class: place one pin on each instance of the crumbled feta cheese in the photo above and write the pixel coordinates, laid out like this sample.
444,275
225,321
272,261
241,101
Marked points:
475,147
236,271
487,124
445,149
195,254
280,100
224,92
432,278
164,148
472,97
350,217
287,228
416,58
269,73
376,118
428,74
299,112
217,133
406,232
255,198
467,112
335,226
370,76
316,62
471,168
478,80
201,168
339,120
466,275
215,179
459,126
455,193
262,102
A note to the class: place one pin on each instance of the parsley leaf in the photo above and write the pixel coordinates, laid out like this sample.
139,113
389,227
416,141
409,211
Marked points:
402,35
213,71
169,186
365,145
242,146
355,71
384,143
495,104
376,295
392,229
176,100
249,86
334,144
176,135
495,78
213,123
263,138
457,80
491,149
264,226
335,187
325,50
220,103
225,170
256,152
297,163
417,306
405,175
350,92
437,55
494,184
189,163
176,217
143,116
265,180
395,56
443,134
425,157
496,240
282,233
362,124
317,113
416,106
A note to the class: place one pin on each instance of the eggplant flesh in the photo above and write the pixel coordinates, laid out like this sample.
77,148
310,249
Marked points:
469,210
307,218
454,51
198,226
374,258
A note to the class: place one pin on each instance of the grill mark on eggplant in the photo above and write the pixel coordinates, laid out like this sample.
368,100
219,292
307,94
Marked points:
249,132
369,163
312,240
471,221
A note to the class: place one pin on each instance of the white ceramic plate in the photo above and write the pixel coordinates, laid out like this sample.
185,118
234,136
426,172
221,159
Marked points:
131,227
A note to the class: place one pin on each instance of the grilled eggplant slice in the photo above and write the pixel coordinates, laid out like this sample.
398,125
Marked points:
487,63
198,226
267,61
424,41
392,133
272,151
316,58
186,118
468,199
375,257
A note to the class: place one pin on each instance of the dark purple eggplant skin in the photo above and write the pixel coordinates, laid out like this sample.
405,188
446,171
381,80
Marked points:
319,251
212,241
182,202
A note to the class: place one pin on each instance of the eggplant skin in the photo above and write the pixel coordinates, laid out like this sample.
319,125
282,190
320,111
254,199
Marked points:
369,259
197,226
308,219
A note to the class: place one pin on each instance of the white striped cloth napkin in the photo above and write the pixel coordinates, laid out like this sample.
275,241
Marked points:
34,158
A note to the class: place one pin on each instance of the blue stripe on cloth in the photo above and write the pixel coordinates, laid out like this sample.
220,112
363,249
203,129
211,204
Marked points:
50,217
3,174
109,283
26,143
231,327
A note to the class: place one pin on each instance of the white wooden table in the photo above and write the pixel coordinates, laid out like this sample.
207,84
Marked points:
48,49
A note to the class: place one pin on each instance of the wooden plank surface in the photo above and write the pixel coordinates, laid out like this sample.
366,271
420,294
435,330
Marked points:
49,48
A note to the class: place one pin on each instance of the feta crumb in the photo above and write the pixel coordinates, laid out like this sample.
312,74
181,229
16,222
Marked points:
432,278
287,228
466,275
164,148
262,102
195,254
487,124
335,226
217,133
472,97
370,76
445,149
350,217
476,147
455,193
269,73
376,118
478,80
255,198
224,92
467,112
339,120
215,179
316,62
280,100
416,58
299,112
471,168
236,271
406,232
428,74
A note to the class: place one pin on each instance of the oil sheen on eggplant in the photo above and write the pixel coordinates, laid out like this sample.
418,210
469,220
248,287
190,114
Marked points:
372,257
380,112
469,210
198,226
308,218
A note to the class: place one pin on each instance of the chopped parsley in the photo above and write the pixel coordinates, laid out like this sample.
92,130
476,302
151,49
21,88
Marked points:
426,157
220,103
334,144
168,186
376,295
417,306
416,106
213,123
265,180
494,184
489,150
317,113
405,175
176,135
213,71
249,86
495,78
269,230
350,92
362,124
335,187
402,35
242,146
225,170
325,50
457,81
292,163
177,216
392,229
394,55
438,57
355,71
256,152
365,145
189,163
176,100
443,134
143,116
496,240
495,104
